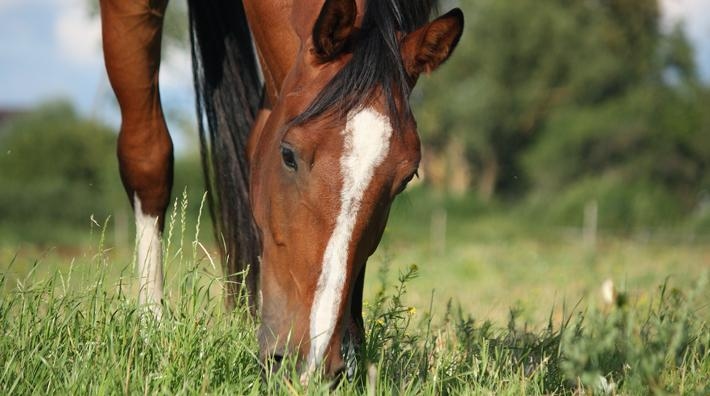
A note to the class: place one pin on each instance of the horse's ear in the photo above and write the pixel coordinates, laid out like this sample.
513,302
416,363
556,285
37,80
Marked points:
334,28
424,49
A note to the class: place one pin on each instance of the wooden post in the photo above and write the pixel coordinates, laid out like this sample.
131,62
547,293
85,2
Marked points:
591,214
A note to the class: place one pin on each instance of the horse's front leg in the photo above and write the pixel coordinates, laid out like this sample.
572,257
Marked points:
132,31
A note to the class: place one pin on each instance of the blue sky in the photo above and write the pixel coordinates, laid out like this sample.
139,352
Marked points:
51,49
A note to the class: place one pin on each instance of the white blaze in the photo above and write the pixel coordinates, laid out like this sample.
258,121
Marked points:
367,140
149,259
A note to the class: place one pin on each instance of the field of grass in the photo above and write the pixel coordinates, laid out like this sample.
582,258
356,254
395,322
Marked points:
482,304
492,260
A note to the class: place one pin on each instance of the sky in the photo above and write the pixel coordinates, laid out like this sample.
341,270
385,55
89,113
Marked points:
51,49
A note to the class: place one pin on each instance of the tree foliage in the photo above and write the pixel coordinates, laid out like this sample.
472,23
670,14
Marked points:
552,98
56,170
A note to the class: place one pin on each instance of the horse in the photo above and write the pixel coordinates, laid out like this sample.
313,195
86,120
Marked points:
306,136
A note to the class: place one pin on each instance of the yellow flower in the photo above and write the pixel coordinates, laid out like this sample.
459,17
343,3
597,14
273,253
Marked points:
411,311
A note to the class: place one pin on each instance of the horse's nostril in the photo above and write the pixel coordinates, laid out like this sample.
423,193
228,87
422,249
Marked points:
274,362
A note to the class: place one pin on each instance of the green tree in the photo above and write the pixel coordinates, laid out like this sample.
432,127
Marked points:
513,64
56,170
566,100
641,151
520,60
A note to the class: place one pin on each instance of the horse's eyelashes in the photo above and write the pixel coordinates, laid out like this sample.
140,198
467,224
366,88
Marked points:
406,181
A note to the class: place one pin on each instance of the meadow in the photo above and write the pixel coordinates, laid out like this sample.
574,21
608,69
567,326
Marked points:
461,298
578,264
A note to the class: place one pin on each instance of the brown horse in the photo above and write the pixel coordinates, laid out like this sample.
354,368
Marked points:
314,160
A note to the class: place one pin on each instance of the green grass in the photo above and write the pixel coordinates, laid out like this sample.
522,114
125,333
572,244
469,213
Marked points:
70,323
494,259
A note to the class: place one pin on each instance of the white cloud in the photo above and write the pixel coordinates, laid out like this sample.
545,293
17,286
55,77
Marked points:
695,17
176,89
693,13
78,36
9,4
176,68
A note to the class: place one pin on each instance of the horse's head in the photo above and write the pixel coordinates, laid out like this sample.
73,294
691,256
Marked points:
337,147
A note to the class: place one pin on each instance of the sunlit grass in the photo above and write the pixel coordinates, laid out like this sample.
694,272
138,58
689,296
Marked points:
70,323
493,260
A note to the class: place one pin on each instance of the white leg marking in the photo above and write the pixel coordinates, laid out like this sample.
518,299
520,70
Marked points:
149,259
367,140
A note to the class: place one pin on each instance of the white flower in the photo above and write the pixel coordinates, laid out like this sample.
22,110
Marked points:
608,292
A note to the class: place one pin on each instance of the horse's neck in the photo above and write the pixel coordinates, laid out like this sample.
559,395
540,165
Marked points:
277,43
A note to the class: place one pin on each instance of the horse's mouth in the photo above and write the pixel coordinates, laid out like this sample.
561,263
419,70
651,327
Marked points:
273,363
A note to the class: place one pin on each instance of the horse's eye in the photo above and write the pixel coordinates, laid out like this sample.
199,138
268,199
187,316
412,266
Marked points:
289,158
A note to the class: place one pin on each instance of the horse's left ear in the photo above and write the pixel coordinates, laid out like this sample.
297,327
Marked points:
334,28
426,48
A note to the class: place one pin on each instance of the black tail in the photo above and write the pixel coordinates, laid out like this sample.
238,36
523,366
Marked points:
228,89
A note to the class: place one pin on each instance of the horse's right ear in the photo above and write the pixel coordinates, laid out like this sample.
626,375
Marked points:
426,48
333,28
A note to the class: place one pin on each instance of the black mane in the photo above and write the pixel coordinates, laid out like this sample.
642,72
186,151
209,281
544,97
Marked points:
376,61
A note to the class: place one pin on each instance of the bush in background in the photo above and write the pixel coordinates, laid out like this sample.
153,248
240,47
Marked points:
58,170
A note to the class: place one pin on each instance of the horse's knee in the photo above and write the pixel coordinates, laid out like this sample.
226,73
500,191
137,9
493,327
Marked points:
146,169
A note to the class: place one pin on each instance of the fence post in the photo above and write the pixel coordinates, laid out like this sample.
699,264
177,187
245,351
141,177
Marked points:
591,215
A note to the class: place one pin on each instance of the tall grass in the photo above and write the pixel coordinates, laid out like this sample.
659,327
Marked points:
93,338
